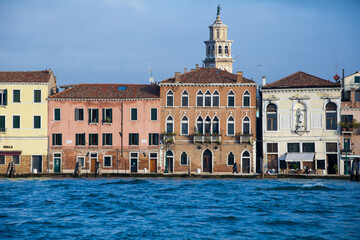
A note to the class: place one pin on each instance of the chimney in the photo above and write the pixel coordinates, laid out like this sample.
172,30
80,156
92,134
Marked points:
177,77
197,65
185,70
239,76
263,80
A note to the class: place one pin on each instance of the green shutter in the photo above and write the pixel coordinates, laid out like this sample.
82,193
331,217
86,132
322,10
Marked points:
110,114
136,139
5,97
110,142
156,141
16,121
129,138
89,116
357,79
37,95
149,138
37,120
103,115
96,115
153,114
57,114
2,123
60,139
103,136
16,96
75,114
53,139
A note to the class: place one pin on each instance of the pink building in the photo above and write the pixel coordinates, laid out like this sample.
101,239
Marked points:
116,125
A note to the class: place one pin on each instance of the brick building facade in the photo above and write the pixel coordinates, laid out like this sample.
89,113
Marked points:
208,119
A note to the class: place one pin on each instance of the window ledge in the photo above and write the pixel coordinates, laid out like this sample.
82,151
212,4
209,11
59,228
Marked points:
93,123
106,123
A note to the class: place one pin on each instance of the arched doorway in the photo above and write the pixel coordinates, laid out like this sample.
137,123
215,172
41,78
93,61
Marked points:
207,161
170,161
246,162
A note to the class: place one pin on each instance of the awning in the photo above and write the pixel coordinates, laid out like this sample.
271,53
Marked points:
10,152
299,157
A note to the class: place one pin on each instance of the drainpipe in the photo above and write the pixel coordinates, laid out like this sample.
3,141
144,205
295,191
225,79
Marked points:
48,165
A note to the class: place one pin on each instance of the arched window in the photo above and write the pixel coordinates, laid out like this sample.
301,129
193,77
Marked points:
230,159
331,116
215,125
207,98
169,161
169,125
217,33
246,99
215,102
184,126
207,125
226,50
200,125
170,99
220,50
199,99
231,99
246,162
271,117
208,50
230,126
185,99
246,125
183,158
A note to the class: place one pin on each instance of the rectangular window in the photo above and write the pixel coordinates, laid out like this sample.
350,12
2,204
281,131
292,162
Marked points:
107,115
16,121
357,79
215,100
331,123
272,147
153,139
80,139
134,114
346,144
93,139
79,114
346,118
16,159
37,96
107,139
57,116
154,114
3,97
185,100
271,122
293,147
107,161
357,96
93,115
331,147
2,124
57,139
16,96
37,121
81,161
308,147
199,100
2,159
133,139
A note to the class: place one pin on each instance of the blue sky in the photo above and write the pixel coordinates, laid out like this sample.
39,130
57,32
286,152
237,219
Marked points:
113,41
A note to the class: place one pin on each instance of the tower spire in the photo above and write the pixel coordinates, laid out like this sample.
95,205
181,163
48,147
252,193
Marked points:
218,47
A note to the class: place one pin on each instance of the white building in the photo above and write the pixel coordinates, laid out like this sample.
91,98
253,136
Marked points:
300,124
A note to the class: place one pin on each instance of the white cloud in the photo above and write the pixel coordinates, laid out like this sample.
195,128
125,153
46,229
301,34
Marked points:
138,5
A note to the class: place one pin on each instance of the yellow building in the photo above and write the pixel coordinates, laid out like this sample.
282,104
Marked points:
24,120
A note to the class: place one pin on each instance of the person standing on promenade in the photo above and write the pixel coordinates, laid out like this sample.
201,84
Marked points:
235,168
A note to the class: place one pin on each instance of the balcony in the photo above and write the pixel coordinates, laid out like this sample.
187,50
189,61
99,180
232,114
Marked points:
201,138
169,138
245,138
346,151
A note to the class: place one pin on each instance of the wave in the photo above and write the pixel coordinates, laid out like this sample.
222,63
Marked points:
124,182
304,187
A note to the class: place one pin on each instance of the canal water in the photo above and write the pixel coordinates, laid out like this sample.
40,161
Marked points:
179,209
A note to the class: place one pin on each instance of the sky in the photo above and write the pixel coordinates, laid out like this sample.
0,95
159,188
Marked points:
116,41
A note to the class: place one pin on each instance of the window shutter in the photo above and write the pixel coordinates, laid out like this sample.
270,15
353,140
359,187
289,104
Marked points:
110,113
5,97
129,138
97,115
2,122
103,137
110,140
76,117
53,139
89,116
156,141
136,139
103,115
150,139
60,139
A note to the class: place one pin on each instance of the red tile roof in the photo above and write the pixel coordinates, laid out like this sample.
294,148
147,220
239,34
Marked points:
301,80
109,91
33,76
207,75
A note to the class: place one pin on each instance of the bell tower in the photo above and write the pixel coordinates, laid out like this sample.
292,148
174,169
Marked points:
218,48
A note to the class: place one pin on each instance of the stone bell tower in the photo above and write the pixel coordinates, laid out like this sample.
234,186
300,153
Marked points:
218,48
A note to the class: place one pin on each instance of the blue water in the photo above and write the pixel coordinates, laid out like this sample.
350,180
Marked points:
179,209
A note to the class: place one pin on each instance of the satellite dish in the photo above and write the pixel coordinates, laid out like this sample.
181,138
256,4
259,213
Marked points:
151,79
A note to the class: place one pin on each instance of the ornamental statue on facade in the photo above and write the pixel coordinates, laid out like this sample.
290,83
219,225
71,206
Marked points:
300,119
